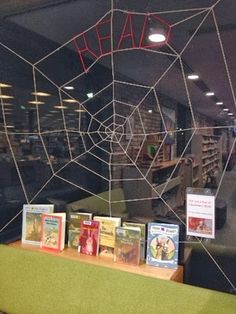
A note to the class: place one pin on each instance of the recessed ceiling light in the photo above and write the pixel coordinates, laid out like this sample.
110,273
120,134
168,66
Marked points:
6,97
225,109
69,87
5,85
230,114
90,95
218,103
43,94
61,107
193,76
150,111
36,102
80,110
69,100
210,94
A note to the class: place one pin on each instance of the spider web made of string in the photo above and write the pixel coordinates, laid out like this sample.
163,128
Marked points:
110,135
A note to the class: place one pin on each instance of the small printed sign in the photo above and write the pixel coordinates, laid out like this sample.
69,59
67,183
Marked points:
200,213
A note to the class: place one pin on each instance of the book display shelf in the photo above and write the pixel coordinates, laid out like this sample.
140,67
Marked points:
142,269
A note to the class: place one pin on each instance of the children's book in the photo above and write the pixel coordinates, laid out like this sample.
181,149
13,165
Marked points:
32,221
89,237
53,231
107,234
74,221
142,227
127,245
162,245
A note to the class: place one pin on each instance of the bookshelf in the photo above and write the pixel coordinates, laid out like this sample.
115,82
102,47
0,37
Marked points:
142,269
165,179
207,159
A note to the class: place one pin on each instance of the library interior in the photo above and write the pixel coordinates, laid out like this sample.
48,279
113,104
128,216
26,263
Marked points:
124,113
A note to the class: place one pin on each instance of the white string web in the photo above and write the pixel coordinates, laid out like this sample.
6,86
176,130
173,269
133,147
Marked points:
116,132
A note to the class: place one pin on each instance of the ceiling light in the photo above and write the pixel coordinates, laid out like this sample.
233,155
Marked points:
42,94
5,85
150,111
230,114
69,87
6,97
80,110
36,102
225,109
9,126
210,94
157,31
61,107
90,95
69,100
156,36
193,76
218,103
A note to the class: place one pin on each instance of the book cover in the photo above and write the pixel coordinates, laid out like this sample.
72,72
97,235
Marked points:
74,221
107,234
127,245
162,245
89,237
32,221
53,231
142,227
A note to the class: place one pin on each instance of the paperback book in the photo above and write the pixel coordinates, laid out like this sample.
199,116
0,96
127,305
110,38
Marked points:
143,236
89,237
74,221
107,234
32,221
127,245
162,245
53,231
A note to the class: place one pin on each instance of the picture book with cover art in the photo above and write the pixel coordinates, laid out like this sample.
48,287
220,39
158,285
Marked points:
53,231
107,234
142,227
127,245
162,245
74,221
32,221
89,237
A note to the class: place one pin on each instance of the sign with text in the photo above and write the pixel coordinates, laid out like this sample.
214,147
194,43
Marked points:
200,213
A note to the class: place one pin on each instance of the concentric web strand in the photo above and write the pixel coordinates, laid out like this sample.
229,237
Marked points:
102,137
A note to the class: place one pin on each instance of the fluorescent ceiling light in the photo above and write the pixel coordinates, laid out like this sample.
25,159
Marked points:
210,94
5,85
218,103
230,114
193,76
36,102
69,100
6,97
43,94
9,126
69,87
225,109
